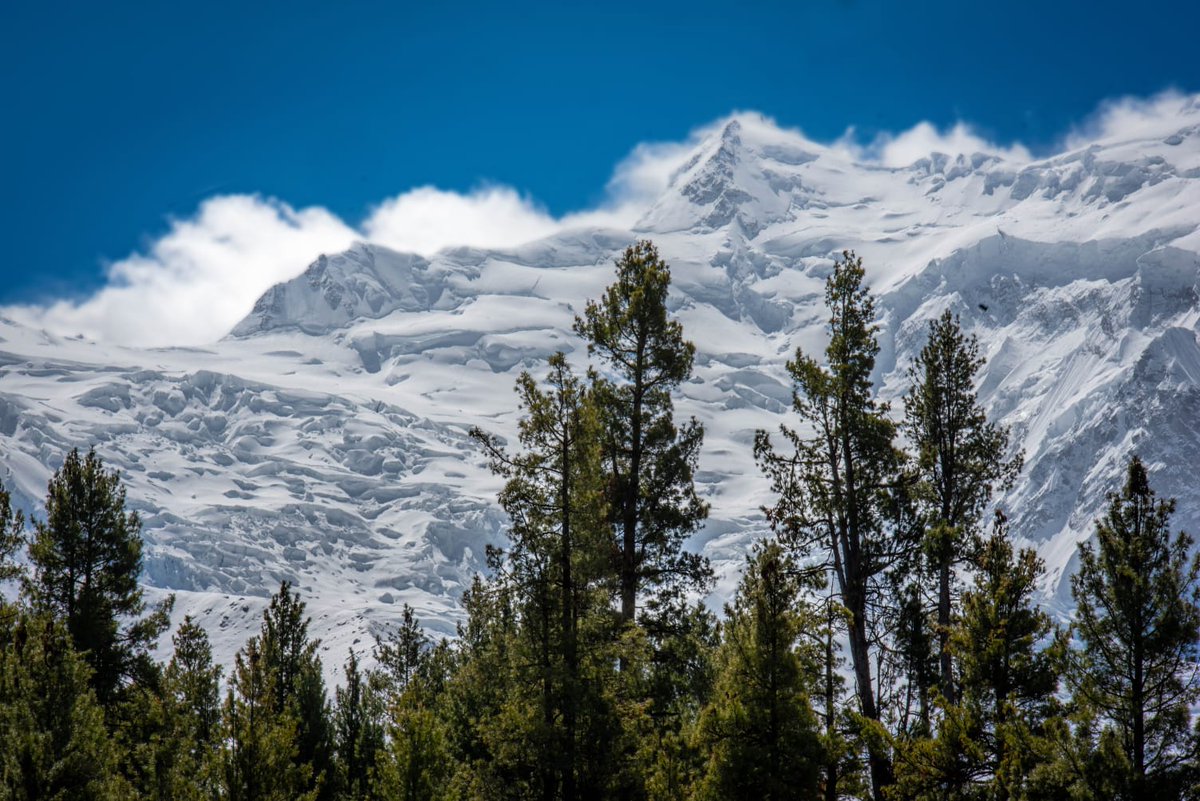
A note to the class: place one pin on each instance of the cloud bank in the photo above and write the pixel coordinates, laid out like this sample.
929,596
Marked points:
195,282
918,142
1127,119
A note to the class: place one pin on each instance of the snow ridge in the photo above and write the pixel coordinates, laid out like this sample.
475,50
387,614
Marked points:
324,440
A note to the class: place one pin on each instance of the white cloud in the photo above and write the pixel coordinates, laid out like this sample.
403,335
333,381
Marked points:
1129,118
194,283
425,220
923,139
199,278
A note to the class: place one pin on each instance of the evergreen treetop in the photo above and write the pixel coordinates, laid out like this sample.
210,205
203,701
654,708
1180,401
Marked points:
760,734
87,558
959,460
650,461
12,537
836,491
1138,617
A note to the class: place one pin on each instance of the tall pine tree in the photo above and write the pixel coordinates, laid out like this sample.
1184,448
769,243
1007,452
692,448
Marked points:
834,489
291,657
280,734
759,732
556,568
959,460
261,754
399,654
988,741
1138,618
188,752
648,459
87,557
53,742
358,730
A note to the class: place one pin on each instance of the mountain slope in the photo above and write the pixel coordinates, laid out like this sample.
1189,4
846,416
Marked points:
324,440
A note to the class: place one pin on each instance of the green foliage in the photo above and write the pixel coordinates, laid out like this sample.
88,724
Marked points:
280,740
990,741
554,581
191,700
170,738
1077,761
759,732
299,686
675,672
53,742
192,683
1138,620
261,757
1009,658
958,461
421,717
12,537
416,764
836,491
87,556
358,729
650,462
399,654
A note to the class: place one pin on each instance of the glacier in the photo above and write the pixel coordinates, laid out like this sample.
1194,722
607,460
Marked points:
324,440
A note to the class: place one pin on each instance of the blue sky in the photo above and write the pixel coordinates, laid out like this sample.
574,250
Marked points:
121,116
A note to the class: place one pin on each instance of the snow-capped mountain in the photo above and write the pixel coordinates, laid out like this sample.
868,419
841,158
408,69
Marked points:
324,440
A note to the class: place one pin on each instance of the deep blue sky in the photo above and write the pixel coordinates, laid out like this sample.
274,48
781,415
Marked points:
116,115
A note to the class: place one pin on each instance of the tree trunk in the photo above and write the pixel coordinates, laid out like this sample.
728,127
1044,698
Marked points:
831,767
631,500
570,647
947,663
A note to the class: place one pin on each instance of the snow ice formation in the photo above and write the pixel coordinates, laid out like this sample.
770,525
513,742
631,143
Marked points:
324,440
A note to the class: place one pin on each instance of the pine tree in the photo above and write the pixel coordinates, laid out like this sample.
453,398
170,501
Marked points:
299,686
1009,658
1138,619
53,742
399,655
959,460
280,739
193,682
555,567
87,556
12,537
261,757
358,727
189,754
760,731
413,682
676,672
835,500
415,764
482,696
988,742
649,461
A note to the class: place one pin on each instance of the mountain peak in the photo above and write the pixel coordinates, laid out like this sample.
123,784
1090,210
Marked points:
742,173
366,281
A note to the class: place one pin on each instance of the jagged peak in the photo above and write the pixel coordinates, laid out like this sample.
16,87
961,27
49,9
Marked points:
363,281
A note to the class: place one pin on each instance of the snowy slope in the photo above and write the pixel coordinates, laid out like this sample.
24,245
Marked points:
323,440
